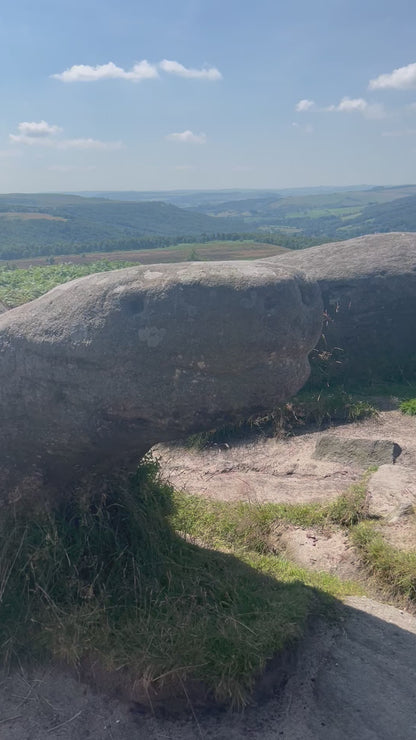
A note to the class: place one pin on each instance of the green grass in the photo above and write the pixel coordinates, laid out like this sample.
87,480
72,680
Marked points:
18,286
107,578
307,408
244,526
394,571
409,407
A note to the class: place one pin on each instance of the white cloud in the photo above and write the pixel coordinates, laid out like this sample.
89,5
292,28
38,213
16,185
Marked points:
140,71
358,105
188,137
346,105
43,134
85,73
350,104
36,130
304,105
402,78
175,68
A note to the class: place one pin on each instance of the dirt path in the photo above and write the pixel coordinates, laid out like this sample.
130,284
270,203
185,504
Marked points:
355,680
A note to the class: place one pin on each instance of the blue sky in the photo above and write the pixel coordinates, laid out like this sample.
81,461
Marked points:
206,94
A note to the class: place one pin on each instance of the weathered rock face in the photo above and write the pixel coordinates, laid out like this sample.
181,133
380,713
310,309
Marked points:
369,293
98,370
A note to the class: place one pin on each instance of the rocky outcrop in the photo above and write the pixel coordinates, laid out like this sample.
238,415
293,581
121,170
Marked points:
369,292
96,371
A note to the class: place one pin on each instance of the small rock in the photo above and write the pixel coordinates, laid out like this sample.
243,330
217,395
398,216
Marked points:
360,452
406,509
389,487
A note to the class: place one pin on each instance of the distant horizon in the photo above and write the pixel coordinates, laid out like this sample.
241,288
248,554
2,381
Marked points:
352,186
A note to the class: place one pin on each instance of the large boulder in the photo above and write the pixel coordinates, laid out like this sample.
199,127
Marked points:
368,288
97,371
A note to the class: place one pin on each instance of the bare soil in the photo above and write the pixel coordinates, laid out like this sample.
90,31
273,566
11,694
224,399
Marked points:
328,551
282,470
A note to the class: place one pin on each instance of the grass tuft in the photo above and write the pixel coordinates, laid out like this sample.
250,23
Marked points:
351,507
393,570
409,407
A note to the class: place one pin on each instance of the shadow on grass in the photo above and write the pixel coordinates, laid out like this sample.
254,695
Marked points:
355,679
103,584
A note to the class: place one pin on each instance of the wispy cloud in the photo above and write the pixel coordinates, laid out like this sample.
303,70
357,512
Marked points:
175,68
32,133
359,105
307,129
85,73
304,105
402,78
188,137
140,71
346,105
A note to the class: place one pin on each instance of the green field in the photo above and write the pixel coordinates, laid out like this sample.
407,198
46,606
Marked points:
19,285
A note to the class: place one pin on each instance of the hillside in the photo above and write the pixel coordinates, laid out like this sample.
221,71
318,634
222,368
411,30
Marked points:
33,225
46,225
335,215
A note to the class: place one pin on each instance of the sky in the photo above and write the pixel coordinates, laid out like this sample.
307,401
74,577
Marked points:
205,94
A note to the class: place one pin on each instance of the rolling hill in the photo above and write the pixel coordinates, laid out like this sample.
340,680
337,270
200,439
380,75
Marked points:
57,224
